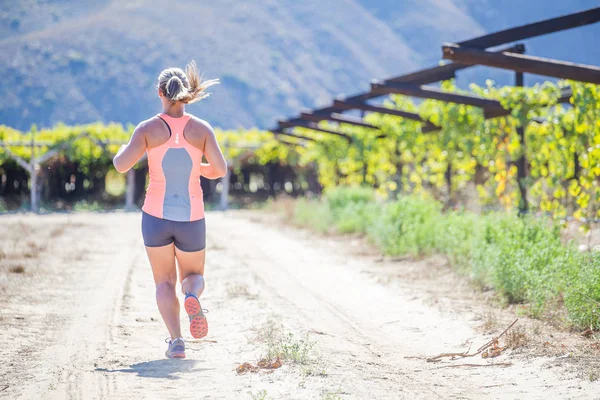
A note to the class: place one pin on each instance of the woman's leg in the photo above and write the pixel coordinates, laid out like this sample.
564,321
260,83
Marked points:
191,271
190,244
162,260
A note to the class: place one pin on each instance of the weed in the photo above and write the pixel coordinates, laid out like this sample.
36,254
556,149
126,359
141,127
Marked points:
285,347
332,395
288,348
260,395
239,290
309,370
269,332
516,338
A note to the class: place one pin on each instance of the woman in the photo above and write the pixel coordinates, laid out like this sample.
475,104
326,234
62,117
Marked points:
173,225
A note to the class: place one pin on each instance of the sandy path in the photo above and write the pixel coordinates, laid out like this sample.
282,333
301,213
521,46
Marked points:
104,340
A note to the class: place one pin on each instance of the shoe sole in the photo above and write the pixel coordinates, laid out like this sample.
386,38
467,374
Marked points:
177,355
198,323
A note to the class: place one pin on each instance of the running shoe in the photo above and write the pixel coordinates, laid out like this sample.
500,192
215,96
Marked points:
198,324
176,348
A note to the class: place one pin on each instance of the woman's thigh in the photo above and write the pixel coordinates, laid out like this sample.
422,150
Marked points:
162,261
190,262
190,247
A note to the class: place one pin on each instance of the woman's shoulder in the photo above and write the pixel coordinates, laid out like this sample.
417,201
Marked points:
150,124
199,125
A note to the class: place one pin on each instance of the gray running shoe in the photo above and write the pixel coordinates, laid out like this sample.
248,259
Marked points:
176,348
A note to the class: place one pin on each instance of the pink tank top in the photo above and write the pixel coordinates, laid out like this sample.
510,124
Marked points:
174,192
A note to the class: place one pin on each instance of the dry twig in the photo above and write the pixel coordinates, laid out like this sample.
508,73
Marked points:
466,354
504,364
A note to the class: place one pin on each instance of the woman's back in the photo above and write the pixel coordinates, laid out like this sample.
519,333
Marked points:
174,159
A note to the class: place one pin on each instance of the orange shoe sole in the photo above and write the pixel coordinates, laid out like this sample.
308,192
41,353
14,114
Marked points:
198,323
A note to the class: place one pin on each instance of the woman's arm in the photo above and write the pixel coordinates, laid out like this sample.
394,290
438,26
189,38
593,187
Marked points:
130,153
216,166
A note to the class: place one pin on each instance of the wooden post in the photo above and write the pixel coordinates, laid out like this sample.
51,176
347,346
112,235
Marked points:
33,176
521,163
448,176
225,181
399,168
130,194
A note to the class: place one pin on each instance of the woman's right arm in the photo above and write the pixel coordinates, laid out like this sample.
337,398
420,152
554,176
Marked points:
130,153
216,166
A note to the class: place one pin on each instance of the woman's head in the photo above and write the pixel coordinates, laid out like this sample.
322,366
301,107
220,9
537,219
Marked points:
186,87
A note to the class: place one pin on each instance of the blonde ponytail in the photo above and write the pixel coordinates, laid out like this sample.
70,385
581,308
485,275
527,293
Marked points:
185,87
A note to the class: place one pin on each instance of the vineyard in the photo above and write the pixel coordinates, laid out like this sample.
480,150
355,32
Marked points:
470,156
79,171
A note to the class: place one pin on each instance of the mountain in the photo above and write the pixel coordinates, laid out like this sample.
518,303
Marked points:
82,61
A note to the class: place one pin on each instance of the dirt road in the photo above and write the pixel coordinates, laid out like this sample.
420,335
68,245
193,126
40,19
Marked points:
78,320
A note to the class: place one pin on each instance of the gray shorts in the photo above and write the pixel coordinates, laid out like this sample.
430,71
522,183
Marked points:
187,236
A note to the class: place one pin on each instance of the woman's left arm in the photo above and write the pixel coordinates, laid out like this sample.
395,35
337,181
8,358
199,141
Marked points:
216,166
130,153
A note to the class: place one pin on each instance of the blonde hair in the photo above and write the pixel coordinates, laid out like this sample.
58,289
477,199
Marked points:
186,87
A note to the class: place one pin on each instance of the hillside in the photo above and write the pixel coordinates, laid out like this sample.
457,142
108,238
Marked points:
78,62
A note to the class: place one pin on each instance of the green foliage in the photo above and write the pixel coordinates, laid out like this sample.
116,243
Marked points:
406,226
313,214
582,294
562,147
522,258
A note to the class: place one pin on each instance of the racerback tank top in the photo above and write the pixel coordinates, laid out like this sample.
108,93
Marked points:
174,192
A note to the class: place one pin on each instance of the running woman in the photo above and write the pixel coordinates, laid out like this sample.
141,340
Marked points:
173,226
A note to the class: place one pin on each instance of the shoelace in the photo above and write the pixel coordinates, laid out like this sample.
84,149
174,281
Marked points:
169,340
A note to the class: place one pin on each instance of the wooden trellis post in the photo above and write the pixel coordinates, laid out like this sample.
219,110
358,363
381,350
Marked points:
129,195
225,181
522,161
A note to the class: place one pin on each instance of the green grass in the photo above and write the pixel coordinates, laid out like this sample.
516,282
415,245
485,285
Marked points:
285,346
313,214
260,395
291,349
523,259
84,205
